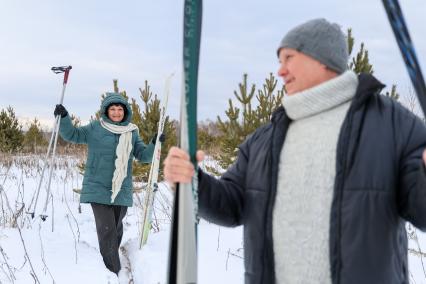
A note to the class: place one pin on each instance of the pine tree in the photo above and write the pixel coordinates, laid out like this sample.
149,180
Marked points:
34,137
230,136
351,41
147,122
11,136
208,137
360,63
151,113
137,115
393,94
146,129
249,118
236,128
268,102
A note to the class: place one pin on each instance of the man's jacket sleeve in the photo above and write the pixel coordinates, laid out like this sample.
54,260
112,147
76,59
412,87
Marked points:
412,188
221,201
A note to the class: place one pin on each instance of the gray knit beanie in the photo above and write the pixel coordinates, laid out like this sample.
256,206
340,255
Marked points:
321,40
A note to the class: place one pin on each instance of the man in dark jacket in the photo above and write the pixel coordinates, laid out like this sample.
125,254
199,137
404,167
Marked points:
323,190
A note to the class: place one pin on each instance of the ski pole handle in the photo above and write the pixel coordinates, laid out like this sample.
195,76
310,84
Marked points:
62,69
67,72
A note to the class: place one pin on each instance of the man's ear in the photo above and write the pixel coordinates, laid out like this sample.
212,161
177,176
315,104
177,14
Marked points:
330,71
323,66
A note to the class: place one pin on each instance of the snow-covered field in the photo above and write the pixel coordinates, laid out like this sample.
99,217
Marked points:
64,248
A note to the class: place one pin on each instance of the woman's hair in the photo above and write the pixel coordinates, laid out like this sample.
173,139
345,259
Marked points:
117,104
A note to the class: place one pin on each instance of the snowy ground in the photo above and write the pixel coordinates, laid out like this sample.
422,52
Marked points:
64,249
70,254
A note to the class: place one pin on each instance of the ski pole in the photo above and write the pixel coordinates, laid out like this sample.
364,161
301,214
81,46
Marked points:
56,70
53,141
402,36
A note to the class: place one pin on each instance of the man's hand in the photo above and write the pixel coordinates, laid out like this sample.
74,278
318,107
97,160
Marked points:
178,167
424,157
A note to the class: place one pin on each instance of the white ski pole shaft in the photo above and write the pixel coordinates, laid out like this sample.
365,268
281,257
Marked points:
51,163
65,70
43,170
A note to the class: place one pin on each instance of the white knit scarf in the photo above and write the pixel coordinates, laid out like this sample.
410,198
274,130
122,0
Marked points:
322,97
123,150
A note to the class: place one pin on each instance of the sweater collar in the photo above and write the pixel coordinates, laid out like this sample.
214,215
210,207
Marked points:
322,97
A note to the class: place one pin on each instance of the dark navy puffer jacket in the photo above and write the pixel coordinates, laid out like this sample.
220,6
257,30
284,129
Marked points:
380,183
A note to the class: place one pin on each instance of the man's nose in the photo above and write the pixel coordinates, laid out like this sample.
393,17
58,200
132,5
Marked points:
282,71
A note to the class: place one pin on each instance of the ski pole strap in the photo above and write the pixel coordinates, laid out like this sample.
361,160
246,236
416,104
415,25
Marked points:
62,69
400,30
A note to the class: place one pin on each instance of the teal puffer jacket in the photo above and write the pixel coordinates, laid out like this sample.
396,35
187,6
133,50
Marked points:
102,144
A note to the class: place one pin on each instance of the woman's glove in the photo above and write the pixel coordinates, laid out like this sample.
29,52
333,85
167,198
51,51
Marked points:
162,138
60,110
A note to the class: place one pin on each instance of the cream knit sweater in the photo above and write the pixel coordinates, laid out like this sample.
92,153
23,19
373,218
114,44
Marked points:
306,176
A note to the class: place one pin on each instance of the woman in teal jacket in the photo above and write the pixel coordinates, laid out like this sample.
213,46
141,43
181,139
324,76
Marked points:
107,185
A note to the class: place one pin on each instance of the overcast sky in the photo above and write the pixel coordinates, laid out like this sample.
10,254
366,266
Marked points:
134,41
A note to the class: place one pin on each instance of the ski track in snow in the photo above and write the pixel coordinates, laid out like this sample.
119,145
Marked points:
126,265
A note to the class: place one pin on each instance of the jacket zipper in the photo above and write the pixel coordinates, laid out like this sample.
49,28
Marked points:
343,155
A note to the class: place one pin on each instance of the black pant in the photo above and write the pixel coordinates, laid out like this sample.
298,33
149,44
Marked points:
109,227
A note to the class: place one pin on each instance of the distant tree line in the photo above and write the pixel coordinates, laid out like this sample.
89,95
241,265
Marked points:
251,108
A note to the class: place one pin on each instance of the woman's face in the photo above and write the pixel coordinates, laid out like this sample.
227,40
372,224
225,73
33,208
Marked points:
116,113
